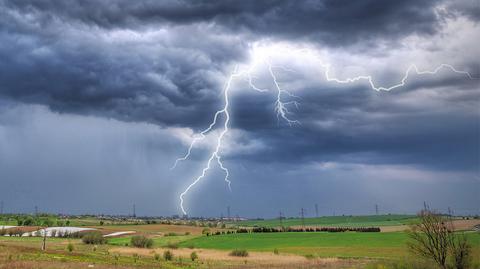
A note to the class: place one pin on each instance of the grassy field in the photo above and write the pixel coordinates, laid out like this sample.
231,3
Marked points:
296,249
155,228
162,241
337,221
348,244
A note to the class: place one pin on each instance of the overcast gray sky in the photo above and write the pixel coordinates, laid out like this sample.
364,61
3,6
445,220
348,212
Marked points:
99,98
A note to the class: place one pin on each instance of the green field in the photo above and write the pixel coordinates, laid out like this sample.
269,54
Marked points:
338,221
157,241
347,244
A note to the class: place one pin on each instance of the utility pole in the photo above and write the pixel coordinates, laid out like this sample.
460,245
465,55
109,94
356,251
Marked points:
280,218
316,210
1,207
302,213
376,209
228,213
36,211
134,213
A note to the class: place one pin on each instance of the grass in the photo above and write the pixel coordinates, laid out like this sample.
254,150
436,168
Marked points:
154,229
348,244
338,221
163,241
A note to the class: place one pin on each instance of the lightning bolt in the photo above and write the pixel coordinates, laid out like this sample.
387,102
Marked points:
281,108
402,81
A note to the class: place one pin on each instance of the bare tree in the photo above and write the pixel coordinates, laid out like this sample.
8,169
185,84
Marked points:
434,238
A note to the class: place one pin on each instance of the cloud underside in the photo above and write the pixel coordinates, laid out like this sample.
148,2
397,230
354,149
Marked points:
160,66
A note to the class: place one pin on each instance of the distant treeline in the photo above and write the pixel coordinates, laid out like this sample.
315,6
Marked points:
291,229
310,229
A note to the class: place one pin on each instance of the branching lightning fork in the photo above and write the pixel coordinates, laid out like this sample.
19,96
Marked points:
281,109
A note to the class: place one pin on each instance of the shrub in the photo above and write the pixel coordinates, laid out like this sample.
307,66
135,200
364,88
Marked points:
461,251
275,251
141,241
171,234
172,245
94,237
156,256
168,255
193,256
239,253
70,247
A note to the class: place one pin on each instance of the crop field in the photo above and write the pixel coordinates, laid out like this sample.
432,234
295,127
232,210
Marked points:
329,250
335,221
348,244
162,241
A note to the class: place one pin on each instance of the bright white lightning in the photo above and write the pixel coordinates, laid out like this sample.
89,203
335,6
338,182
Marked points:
215,154
400,84
281,108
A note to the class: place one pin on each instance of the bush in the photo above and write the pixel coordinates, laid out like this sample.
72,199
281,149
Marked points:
156,256
70,247
94,237
141,241
193,256
168,255
275,251
172,245
171,234
239,253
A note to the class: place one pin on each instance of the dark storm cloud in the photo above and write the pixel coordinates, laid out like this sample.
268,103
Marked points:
75,68
70,55
330,22
165,62
469,8
423,124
